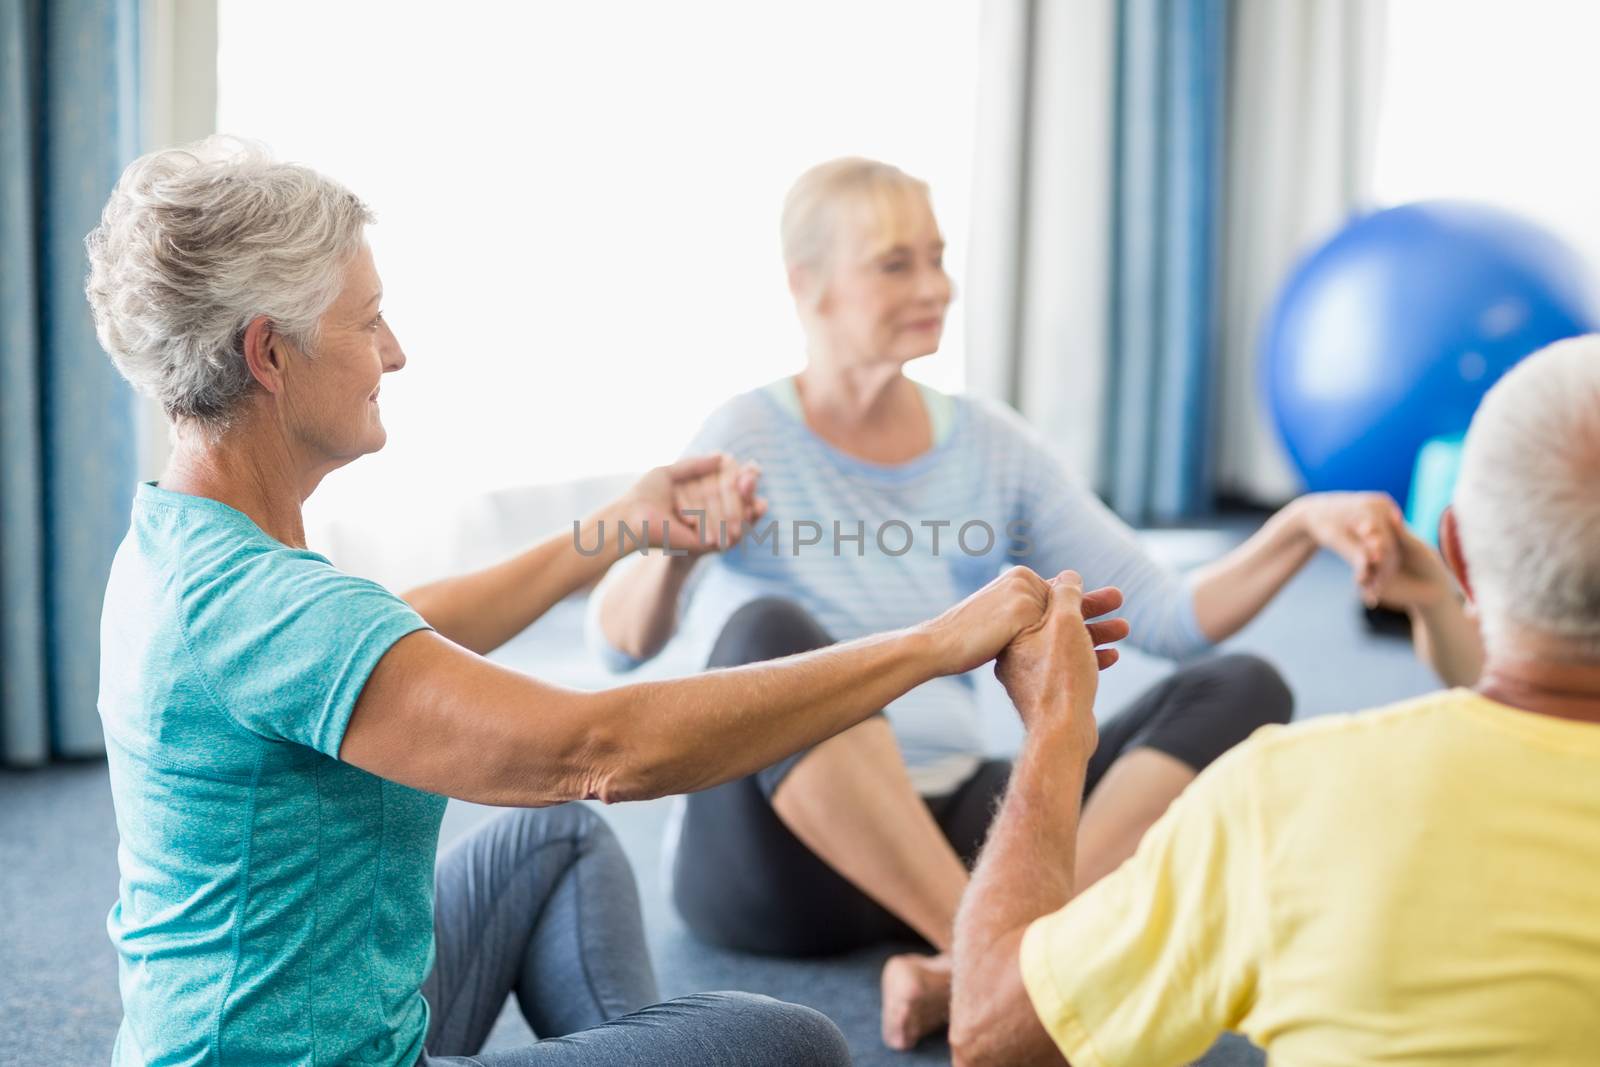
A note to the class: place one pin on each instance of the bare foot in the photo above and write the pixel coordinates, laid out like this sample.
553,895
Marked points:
916,998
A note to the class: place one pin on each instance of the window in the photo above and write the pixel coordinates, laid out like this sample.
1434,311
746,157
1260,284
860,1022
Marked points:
1491,101
578,203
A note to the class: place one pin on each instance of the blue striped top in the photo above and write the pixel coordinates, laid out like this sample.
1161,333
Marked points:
867,547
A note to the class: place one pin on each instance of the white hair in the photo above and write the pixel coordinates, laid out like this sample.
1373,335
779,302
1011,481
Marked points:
194,244
1528,498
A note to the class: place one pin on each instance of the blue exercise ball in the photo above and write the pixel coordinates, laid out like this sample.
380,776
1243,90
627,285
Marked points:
1391,332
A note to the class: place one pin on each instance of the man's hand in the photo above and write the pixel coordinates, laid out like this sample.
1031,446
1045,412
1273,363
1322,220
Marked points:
974,631
1051,669
700,504
1361,529
1420,580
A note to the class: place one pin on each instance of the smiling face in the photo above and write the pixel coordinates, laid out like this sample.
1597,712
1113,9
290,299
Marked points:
883,294
330,399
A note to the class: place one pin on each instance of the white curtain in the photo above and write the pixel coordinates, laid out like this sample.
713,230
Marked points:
1037,284
1306,81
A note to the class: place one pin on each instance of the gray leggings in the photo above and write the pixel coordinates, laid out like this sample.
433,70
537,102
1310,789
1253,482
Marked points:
542,904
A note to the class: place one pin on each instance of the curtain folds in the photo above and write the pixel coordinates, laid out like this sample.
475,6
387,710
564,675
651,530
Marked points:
68,125
1306,83
1036,287
1147,173
1170,108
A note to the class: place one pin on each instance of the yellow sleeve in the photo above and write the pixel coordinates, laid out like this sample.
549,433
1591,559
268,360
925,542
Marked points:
1151,963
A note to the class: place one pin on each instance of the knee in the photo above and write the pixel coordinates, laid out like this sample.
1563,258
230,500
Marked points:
1255,694
775,1032
767,628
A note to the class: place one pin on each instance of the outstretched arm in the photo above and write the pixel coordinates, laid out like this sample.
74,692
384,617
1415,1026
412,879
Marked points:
1026,869
436,717
1359,527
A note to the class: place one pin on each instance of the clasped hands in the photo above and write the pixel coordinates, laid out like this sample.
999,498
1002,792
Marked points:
697,505
1391,565
1049,640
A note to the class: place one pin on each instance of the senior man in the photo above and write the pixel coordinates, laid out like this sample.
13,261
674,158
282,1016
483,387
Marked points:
1414,885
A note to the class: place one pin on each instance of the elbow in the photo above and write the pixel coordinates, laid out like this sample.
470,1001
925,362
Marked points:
992,1020
620,760
620,781
971,1036
974,1046
972,1032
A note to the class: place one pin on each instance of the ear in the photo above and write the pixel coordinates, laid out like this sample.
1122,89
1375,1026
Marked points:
805,285
1450,548
265,353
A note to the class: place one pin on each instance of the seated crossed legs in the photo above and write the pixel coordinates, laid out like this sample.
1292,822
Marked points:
832,849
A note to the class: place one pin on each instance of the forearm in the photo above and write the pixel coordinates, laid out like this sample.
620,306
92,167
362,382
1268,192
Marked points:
485,609
640,611
687,734
1026,871
1231,591
1448,640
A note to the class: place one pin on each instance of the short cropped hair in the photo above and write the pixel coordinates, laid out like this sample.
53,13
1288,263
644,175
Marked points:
195,243
1528,498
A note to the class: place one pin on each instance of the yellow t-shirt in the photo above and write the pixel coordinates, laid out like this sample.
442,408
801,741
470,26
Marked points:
1417,885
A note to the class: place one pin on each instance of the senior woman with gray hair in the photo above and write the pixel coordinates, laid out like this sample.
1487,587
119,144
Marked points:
281,736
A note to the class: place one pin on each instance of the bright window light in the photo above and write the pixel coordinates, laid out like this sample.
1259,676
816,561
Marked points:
578,203
1493,101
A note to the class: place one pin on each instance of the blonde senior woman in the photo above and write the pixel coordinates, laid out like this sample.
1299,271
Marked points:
888,500
281,736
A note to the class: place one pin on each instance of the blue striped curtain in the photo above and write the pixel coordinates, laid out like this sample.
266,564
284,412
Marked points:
68,125
1170,100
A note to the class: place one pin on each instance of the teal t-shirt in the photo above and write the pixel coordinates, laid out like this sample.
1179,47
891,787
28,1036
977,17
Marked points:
275,905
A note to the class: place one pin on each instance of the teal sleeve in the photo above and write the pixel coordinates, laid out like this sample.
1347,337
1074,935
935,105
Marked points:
286,643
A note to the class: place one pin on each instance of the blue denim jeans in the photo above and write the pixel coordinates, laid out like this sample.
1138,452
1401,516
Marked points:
541,904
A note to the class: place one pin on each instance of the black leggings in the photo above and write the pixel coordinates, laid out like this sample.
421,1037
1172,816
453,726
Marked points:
742,880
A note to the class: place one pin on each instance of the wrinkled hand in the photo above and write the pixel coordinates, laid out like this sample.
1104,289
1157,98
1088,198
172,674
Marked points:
974,631
700,504
1362,529
1051,669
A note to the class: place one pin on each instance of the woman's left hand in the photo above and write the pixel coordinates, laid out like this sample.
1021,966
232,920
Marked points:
1360,528
689,504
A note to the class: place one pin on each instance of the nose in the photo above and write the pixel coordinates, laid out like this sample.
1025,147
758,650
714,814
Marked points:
389,348
936,287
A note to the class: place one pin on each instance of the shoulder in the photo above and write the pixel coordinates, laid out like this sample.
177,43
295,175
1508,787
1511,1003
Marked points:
743,420
232,583
1000,430
1334,744
995,417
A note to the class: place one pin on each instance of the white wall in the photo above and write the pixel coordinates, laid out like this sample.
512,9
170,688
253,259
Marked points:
179,101
1495,101
578,203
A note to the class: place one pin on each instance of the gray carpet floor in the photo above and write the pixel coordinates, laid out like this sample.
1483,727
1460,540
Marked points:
58,874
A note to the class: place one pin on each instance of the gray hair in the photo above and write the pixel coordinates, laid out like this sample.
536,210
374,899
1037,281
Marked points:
194,244
1528,498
